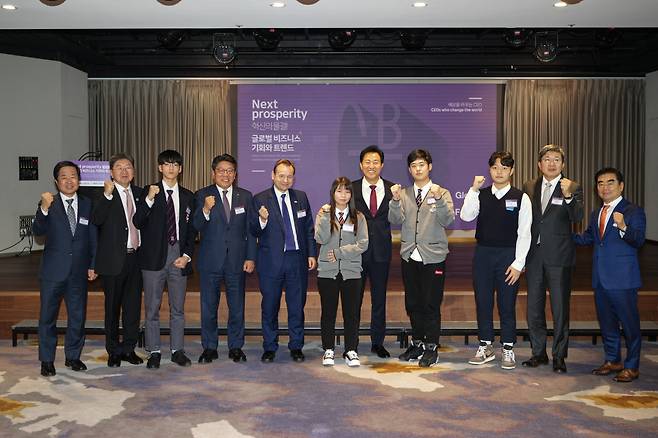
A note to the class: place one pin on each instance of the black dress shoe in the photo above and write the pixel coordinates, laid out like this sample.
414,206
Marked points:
380,351
179,358
237,355
47,369
268,357
114,361
75,364
559,366
297,355
208,355
154,360
535,361
132,358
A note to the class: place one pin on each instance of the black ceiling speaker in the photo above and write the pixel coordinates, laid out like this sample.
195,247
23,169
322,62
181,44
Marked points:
268,39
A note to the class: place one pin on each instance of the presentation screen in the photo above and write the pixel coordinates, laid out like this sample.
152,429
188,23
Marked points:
323,127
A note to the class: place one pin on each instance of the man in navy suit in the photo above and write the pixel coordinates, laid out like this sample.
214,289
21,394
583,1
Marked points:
371,197
227,251
66,265
283,223
164,218
616,231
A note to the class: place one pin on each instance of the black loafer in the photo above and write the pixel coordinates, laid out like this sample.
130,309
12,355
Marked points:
154,360
268,357
208,355
535,361
47,369
380,351
297,355
132,358
180,359
114,361
237,355
75,364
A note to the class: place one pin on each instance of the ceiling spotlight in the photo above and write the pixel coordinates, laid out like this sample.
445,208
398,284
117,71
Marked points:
168,2
52,2
413,39
268,39
419,4
278,4
517,38
308,2
9,7
171,39
341,39
560,4
224,48
545,49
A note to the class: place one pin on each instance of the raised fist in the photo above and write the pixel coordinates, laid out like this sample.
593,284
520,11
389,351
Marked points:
46,200
435,191
153,190
395,191
567,187
263,213
326,208
108,187
208,204
477,182
619,220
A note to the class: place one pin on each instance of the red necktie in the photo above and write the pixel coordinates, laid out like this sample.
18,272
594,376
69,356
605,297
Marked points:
604,210
373,200
341,219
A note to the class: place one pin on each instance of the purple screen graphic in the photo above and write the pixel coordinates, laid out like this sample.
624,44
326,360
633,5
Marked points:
323,128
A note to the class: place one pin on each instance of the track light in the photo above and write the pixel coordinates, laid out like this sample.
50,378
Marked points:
341,39
224,48
413,39
171,39
517,38
545,49
268,39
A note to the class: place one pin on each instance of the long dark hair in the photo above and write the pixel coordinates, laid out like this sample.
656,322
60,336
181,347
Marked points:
344,182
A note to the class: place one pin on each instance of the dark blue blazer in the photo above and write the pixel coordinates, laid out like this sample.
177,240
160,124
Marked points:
224,245
65,254
614,260
152,224
271,239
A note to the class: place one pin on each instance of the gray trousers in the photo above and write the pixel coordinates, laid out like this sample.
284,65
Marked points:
154,282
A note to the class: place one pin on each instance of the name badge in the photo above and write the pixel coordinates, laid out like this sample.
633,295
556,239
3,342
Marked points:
348,227
431,201
557,201
239,210
301,214
511,204
84,221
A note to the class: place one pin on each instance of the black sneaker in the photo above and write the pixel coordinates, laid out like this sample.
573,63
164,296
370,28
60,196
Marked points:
153,361
413,353
430,357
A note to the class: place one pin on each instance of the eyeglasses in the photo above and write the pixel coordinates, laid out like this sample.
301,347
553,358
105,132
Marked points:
174,165
225,171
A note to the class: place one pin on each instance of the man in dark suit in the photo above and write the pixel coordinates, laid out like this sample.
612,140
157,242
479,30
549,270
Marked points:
66,265
116,260
282,220
164,218
557,203
371,196
227,251
616,231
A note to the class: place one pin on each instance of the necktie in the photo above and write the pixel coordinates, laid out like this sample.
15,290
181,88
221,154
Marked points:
604,211
341,219
545,197
130,211
419,197
287,225
373,200
227,208
70,213
171,219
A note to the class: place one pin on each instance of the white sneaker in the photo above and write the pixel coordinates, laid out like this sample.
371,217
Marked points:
352,359
508,361
484,354
328,358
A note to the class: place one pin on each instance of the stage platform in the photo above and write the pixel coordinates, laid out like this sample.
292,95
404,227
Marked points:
19,292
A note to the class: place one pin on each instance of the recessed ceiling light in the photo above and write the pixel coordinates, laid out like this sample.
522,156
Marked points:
419,4
9,7
560,4
278,4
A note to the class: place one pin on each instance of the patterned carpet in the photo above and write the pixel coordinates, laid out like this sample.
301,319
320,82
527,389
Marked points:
381,398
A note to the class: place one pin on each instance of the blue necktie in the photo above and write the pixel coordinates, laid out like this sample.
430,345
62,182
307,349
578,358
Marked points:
287,224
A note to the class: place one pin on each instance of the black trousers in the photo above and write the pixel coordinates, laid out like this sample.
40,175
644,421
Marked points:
377,273
423,294
123,300
329,289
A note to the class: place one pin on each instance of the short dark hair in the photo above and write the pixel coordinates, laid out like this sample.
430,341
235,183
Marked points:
224,157
285,162
603,171
551,148
170,156
369,149
418,154
121,156
67,163
506,158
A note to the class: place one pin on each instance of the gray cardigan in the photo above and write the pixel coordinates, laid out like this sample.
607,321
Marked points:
347,247
425,227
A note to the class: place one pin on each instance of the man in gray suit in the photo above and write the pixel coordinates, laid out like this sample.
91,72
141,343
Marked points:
424,210
557,202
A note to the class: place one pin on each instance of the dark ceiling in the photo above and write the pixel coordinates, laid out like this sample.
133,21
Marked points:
373,53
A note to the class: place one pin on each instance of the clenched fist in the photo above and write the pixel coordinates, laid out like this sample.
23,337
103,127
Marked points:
46,200
477,183
263,213
108,187
619,220
395,191
435,191
153,190
326,208
567,187
208,204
